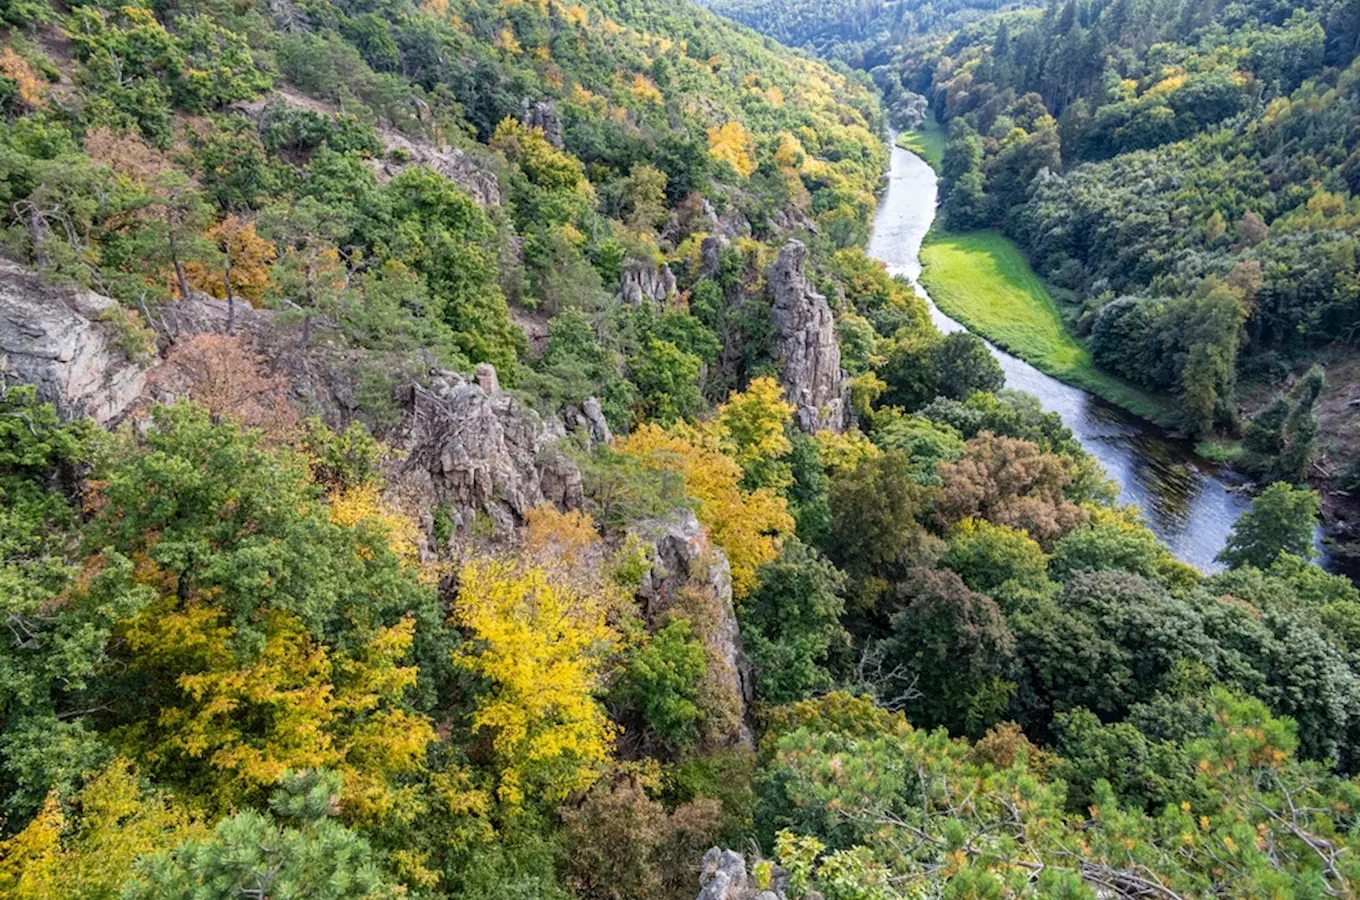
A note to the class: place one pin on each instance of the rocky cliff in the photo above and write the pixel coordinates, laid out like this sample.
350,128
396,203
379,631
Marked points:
63,342
805,345
723,876
689,571
641,280
474,449
466,445
402,150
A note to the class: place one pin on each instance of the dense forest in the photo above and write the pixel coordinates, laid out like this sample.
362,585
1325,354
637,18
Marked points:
861,33
1186,176
463,451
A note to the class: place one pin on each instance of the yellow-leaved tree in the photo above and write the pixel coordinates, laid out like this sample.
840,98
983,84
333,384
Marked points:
748,525
753,431
237,718
88,852
732,144
363,504
540,639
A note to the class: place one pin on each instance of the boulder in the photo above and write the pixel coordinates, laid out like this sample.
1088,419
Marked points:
589,417
723,876
478,450
58,339
805,345
686,566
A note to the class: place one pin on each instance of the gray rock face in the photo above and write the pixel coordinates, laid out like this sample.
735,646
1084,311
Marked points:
487,380
543,114
710,250
723,876
54,339
590,417
641,280
805,344
477,181
403,150
482,451
685,566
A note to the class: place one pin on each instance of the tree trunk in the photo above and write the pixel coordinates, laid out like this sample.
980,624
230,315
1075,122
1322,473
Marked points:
179,269
307,319
183,282
231,298
39,256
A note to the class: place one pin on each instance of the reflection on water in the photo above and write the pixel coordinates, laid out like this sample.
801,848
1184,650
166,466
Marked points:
1186,499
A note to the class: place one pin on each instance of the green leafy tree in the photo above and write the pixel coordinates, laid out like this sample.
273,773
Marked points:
964,366
875,522
423,220
791,622
667,379
957,646
298,852
661,680
1281,519
1002,562
1282,435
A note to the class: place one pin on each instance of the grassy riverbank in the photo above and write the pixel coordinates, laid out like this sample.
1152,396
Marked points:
982,280
926,142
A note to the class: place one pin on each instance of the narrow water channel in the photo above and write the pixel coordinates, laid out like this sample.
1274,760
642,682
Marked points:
1188,501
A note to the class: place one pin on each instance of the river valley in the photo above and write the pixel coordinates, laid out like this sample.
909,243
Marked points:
1189,502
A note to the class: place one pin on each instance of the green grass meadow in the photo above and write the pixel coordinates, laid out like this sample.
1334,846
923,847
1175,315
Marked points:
926,142
982,280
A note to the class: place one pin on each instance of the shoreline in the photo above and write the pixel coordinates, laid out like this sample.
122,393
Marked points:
1028,324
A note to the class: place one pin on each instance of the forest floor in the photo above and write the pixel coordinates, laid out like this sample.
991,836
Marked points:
926,142
982,280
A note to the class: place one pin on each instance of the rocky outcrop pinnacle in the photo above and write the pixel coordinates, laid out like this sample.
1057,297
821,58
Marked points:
474,449
641,280
805,344
687,568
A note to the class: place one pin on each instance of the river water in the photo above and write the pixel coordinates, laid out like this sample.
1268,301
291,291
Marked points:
1187,500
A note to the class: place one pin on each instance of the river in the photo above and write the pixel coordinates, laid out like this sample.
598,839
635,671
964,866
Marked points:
1187,500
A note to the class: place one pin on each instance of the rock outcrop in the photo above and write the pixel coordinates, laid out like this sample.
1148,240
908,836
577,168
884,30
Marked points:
471,176
723,876
710,255
475,449
687,568
805,344
543,114
590,417
58,340
402,150
642,280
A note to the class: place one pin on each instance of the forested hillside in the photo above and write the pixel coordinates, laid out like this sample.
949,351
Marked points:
861,33
463,451
1186,176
